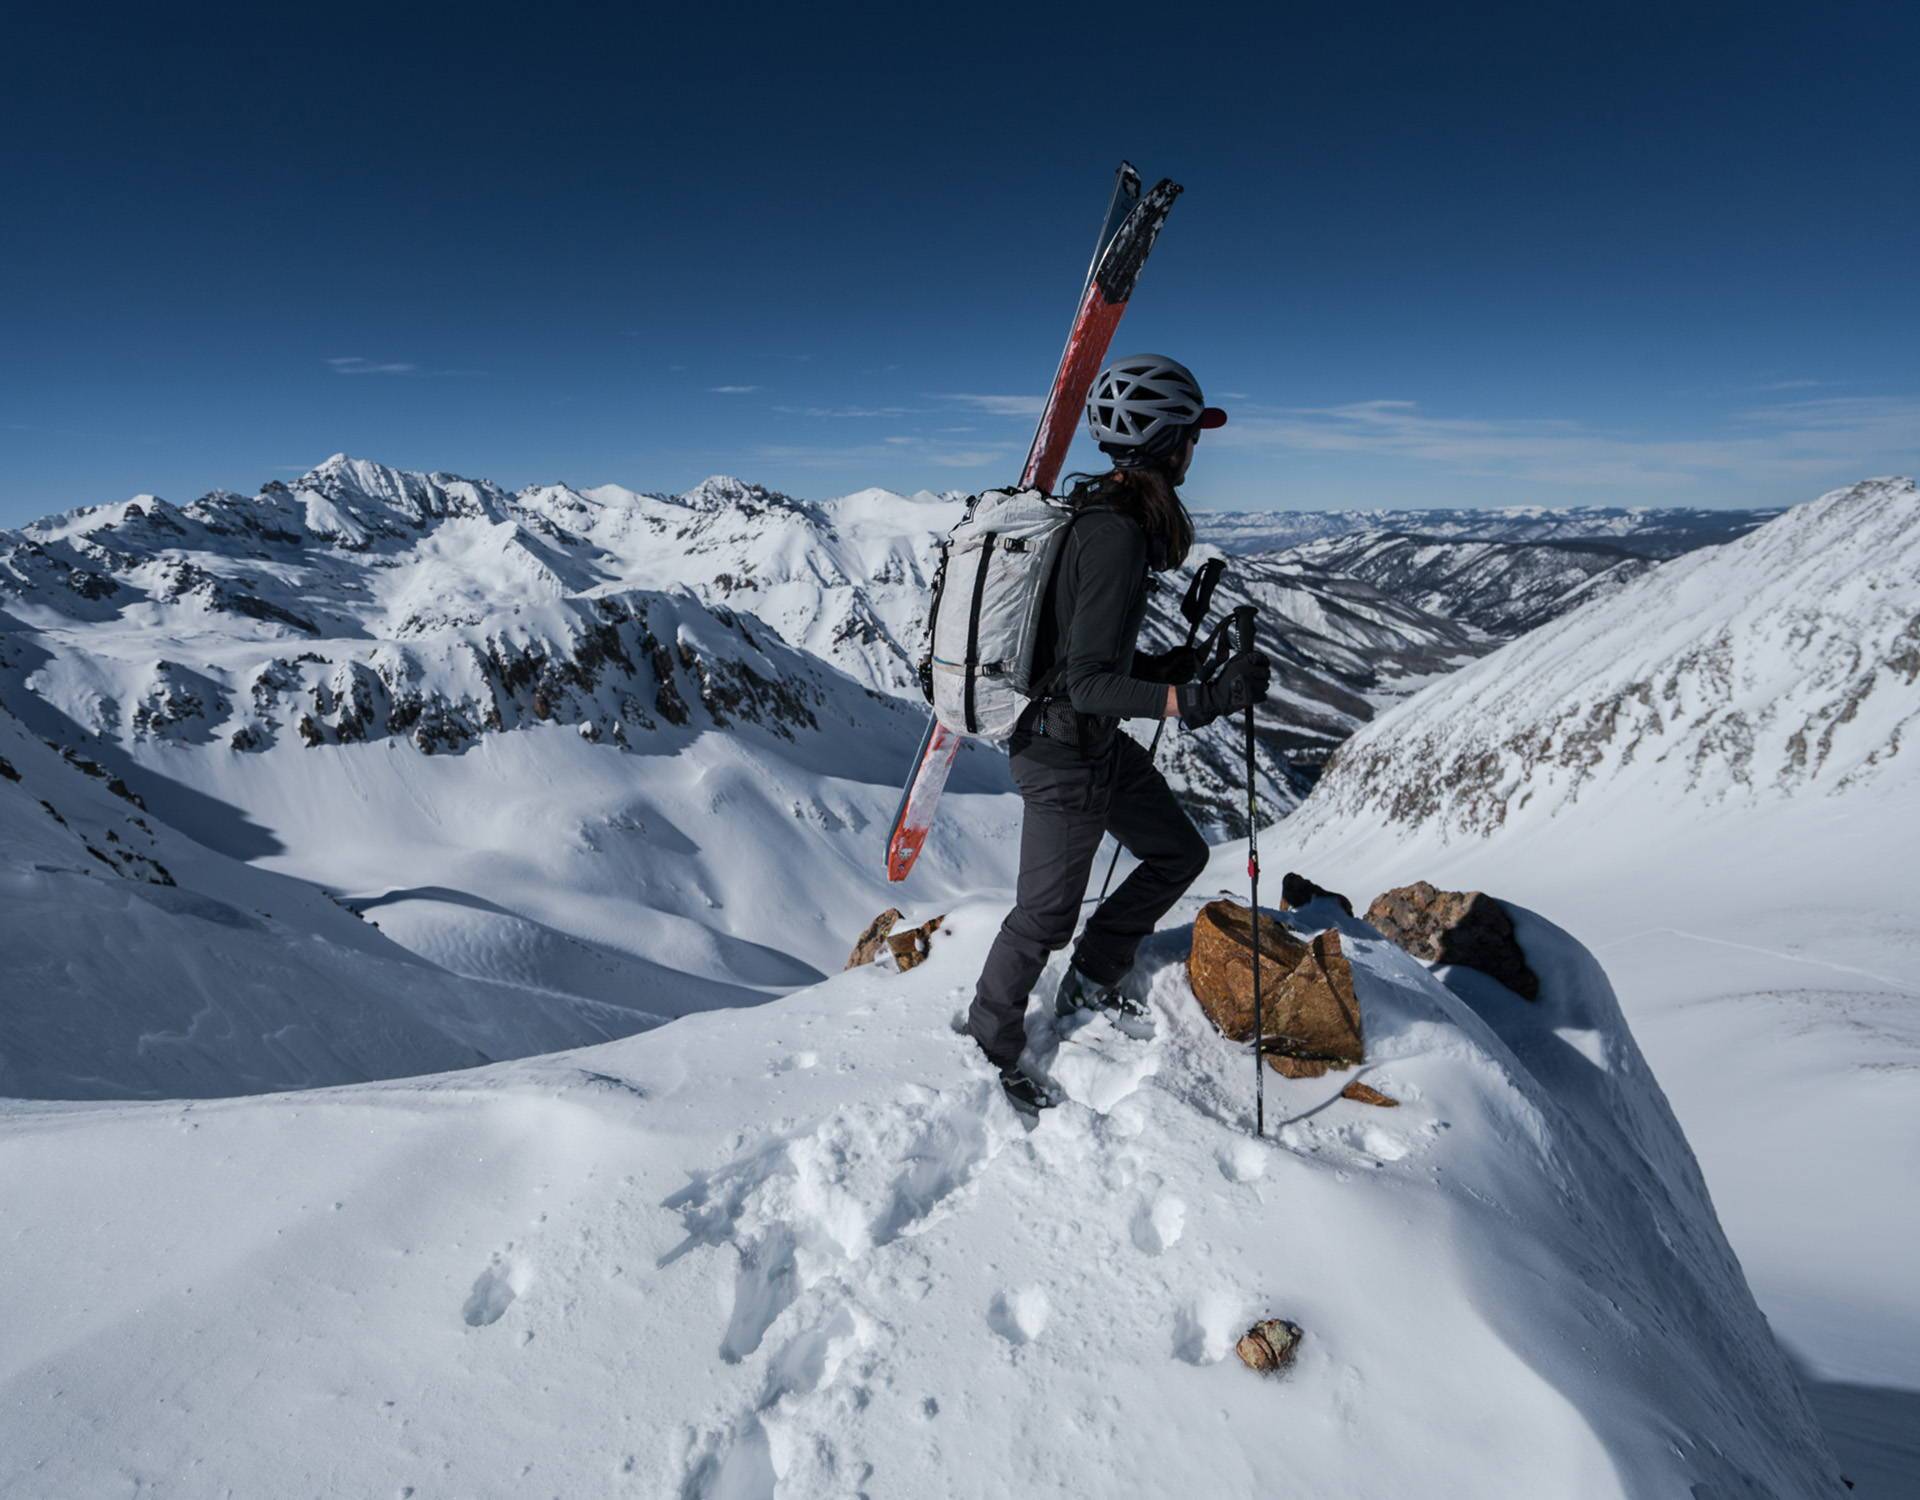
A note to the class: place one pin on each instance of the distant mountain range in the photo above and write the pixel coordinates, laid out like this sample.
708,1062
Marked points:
1652,531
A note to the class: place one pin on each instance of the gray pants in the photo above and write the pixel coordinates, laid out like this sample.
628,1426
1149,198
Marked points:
1068,808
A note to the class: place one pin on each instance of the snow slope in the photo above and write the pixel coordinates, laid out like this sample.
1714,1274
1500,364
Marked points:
1781,664
807,1250
1704,779
139,962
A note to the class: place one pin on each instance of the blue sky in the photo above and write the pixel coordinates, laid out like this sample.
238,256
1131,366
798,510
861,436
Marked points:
1474,255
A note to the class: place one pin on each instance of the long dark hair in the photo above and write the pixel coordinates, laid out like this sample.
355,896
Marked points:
1146,493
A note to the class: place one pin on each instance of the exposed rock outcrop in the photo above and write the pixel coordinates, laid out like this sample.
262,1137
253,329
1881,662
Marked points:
1455,927
1297,891
911,947
866,947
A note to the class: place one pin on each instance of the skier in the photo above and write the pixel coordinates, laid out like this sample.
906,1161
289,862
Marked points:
1079,777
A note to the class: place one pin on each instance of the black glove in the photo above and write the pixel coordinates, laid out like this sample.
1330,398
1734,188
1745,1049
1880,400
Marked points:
1175,666
1242,682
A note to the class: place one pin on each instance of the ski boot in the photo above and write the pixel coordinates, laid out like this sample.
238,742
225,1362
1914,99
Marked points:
1078,992
1027,1094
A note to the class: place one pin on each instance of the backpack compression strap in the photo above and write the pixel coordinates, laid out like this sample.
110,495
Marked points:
973,627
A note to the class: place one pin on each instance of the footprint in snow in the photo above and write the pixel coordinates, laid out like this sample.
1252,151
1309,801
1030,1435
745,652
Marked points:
494,1291
1159,1223
1205,1328
1019,1317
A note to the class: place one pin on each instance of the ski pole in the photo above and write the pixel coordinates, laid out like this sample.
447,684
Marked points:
1243,625
1194,607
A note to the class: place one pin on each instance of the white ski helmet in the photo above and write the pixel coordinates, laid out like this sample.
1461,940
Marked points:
1142,405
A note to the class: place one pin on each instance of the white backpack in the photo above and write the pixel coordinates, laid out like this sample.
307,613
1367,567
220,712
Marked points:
989,594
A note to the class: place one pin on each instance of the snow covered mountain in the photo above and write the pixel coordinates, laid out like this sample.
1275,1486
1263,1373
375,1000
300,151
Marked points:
1778,665
535,606
1650,531
1710,778
807,1250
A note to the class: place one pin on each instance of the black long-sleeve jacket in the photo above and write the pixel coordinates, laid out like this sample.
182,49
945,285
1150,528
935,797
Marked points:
1087,663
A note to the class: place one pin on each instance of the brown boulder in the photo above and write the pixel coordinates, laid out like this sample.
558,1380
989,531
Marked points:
866,947
1296,891
1220,965
1315,1018
1269,1345
911,947
1469,928
1361,1093
1309,1011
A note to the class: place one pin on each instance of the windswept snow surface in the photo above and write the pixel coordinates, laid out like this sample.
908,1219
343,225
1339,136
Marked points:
1711,778
806,1249
138,961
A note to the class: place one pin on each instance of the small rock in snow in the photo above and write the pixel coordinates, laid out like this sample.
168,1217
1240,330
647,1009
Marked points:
1269,1345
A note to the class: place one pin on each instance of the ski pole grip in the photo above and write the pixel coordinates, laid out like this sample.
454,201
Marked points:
1243,627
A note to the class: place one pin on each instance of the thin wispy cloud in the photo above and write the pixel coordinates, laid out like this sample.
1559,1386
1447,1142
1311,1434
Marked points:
889,451
851,412
1027,407
733,390
1813,437
353,364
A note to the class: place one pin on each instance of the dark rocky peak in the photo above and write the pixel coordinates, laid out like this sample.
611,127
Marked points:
722,492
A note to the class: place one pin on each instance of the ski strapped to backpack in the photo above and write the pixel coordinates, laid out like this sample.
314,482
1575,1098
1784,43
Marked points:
1128,231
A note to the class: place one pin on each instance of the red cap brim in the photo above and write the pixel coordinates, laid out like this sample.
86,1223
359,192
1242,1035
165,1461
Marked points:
1212,417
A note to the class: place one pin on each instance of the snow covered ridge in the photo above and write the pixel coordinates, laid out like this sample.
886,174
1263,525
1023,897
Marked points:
807,1250
365,602
1781,664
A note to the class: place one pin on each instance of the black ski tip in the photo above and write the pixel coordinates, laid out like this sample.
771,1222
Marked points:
1119,267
